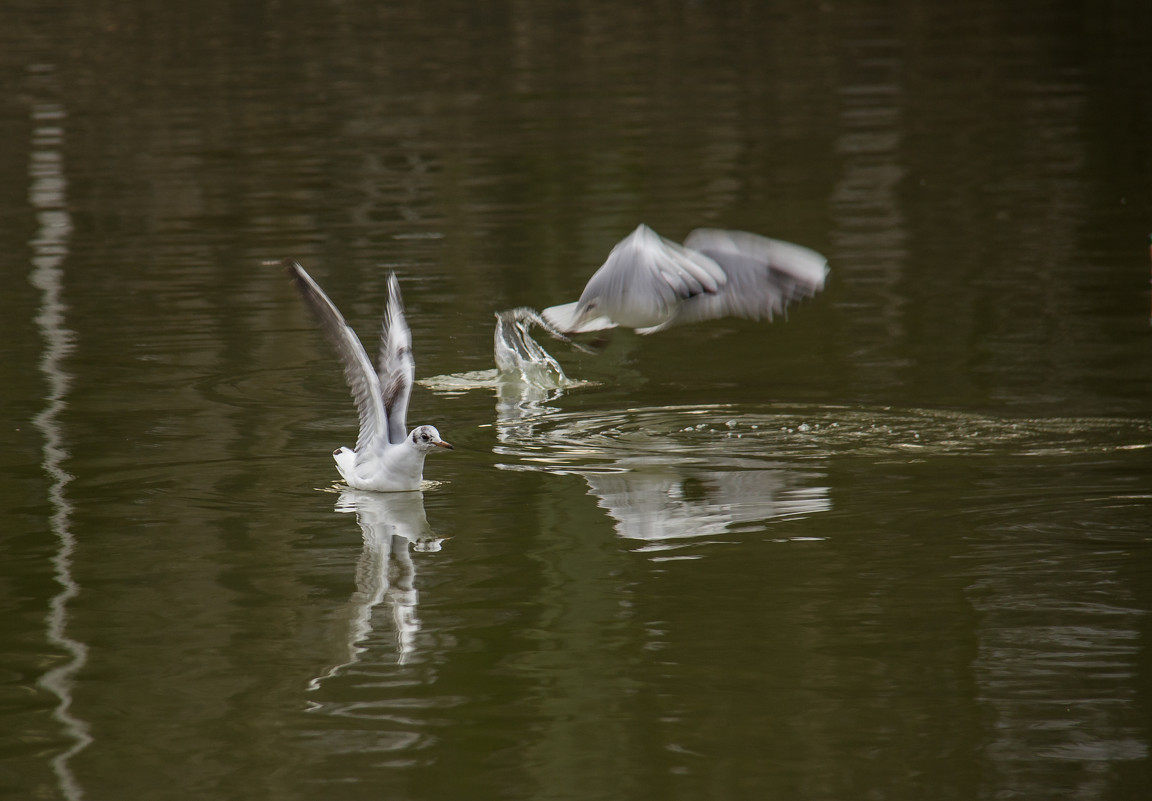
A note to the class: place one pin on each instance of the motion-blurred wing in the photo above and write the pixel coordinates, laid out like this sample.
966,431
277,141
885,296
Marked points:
358,372
397,368
764,275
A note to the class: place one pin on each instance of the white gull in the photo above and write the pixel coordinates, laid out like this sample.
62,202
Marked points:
650,283
387,457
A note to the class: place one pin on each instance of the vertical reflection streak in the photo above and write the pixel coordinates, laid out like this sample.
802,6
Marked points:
870,232
47,196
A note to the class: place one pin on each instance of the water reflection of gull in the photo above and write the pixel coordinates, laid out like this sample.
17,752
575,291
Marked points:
661,502
392,524
664,475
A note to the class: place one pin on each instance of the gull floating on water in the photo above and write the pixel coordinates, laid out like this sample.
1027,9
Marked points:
387,457
650,283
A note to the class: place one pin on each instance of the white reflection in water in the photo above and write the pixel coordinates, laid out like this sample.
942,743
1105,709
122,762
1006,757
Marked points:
48,196
665,475
392,524
661,502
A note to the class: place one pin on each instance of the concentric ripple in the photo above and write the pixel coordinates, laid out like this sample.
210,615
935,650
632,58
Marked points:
732,435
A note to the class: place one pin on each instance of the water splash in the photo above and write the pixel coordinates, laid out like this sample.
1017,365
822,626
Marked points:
526,379
519,356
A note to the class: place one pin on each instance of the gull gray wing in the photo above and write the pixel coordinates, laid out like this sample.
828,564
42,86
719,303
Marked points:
397,367
764,275
646,277
358,372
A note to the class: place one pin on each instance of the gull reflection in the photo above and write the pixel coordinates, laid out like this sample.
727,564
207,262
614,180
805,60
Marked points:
393,525
662,502
665,474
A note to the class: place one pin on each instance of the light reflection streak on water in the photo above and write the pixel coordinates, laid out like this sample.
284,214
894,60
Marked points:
50,248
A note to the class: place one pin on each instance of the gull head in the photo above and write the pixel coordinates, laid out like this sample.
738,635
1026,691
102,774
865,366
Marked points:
427,439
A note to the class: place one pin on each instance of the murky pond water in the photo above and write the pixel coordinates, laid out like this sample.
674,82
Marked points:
895,545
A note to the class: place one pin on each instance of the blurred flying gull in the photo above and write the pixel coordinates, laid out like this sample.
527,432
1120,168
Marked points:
650,283
387,458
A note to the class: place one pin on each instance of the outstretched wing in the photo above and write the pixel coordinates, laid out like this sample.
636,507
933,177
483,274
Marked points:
397,368
764,275
362,379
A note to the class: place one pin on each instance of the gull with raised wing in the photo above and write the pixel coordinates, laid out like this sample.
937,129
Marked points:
387,457
650,283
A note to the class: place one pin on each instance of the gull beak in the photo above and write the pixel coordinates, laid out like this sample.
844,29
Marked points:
443,444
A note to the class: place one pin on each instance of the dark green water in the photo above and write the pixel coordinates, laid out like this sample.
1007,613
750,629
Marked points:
897,546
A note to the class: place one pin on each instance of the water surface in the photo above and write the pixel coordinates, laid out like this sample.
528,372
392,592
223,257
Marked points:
896,545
